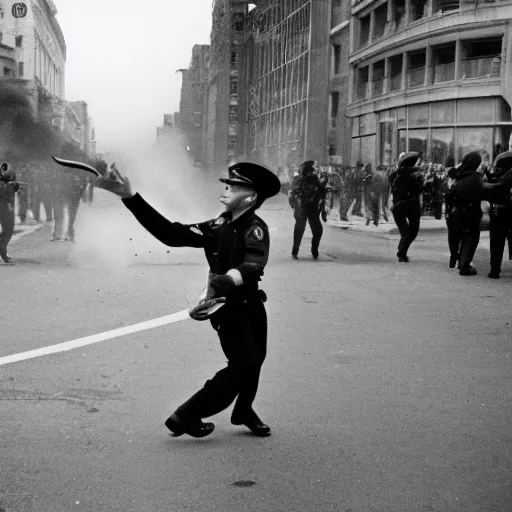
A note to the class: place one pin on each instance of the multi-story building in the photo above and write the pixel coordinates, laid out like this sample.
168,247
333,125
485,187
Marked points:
34,33
430,75
193,98
338,123
289,81
80,127
222,134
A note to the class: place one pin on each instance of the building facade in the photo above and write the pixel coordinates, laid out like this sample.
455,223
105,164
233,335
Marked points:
288,90
338,124
222,134
193,100
429,75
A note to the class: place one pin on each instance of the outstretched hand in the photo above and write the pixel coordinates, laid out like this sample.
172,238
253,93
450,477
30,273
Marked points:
120,185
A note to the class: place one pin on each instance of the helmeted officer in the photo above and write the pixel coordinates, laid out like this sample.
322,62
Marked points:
406,186
500,212
236,245
8,187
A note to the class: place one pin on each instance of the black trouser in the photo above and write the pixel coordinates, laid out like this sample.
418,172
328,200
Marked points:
464,233
7,220
303,215
500,225
407,217
242,330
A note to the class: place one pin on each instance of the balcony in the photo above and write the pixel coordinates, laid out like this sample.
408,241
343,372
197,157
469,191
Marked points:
362,91
444,72
378,87
416,77
485,67
395,82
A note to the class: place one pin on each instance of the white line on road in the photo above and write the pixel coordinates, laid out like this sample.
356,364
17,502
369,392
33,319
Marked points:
96,338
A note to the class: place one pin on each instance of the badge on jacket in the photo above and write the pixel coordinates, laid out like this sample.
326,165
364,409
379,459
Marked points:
258,234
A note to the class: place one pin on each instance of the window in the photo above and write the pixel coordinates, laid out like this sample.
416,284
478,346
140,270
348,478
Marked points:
378,77
335,99
234,59
417,141
444,58
7,71
418,115
233,88
337,59
21,68
381,20
332,149
442,145
478,110
473,139
364,31
18,41
443,112
419,9
238,22
233,113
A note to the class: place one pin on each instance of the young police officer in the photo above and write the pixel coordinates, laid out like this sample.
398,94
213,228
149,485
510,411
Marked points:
236,245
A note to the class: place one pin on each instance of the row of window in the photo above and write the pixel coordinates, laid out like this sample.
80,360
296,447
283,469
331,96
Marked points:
478,59
395,15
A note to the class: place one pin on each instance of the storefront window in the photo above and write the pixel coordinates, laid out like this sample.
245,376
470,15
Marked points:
356,151
443,112
503,111
402,117
368,150
402,141
442,145
473,139
418,115
477,110
387,131
502,139
417,141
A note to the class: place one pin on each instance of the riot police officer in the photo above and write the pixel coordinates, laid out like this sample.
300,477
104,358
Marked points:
236,245
406,187
8,187
500,212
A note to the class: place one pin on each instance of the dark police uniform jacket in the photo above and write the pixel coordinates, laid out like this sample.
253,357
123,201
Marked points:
242,244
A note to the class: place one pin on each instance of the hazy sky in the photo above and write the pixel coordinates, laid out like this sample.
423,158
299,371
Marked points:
122,57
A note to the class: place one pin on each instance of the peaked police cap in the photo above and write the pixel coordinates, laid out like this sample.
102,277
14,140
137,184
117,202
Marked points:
264,182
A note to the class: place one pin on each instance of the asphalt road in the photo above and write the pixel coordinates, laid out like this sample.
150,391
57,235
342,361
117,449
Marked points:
387,385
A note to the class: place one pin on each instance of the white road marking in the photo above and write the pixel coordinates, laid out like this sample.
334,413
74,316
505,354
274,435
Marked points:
96,338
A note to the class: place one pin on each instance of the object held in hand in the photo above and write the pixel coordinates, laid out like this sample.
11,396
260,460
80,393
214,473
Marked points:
208,303
77,165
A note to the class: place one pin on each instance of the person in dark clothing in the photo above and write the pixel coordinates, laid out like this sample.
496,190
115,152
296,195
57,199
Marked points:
500,212
236,245
307,195
464,213
8,187
406,187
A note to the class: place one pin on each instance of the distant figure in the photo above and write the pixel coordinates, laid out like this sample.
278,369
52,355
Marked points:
306,197
406,187
8,187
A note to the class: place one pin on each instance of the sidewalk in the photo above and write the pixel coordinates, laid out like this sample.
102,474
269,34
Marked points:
355,223
280,202
20,230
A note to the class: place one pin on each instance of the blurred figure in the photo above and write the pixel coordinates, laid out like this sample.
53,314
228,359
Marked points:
353,192
306,198
336,189
371,196
8,187
68,188
406,187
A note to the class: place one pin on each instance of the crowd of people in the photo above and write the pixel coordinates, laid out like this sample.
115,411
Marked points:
409,190
46,192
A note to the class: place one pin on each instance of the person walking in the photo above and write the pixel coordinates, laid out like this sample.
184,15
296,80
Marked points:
306,197
236,245
8,187
406,187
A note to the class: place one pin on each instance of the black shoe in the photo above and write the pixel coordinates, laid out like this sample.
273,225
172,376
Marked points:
344,219
453,261
402,258
252,422
5,256
493,275
195,428
315,254
468,271
367,222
